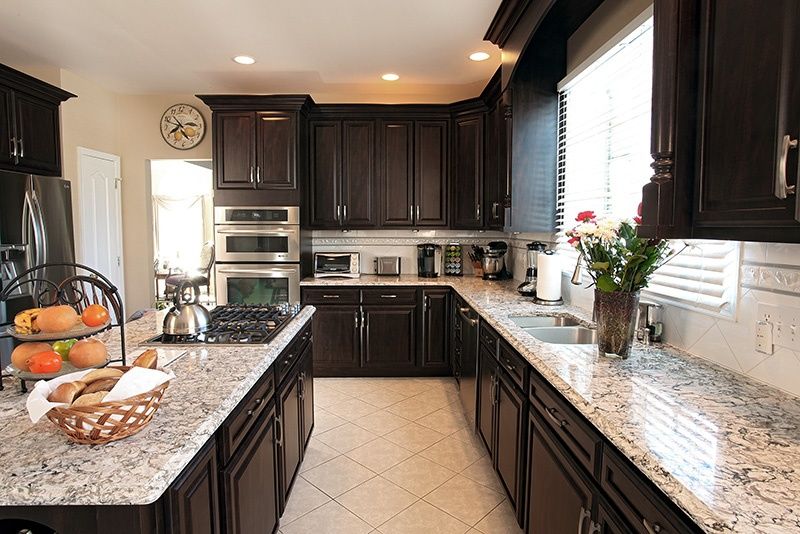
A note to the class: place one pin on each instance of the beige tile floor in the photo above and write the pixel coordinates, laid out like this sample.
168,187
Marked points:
394,456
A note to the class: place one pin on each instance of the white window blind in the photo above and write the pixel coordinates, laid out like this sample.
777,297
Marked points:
604,160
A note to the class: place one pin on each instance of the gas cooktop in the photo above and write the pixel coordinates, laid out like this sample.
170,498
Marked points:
238,324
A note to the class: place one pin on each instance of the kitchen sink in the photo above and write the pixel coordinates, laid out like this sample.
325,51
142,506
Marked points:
540,321
564,335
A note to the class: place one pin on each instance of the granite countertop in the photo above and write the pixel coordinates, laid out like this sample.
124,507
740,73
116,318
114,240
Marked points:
723,447
42,467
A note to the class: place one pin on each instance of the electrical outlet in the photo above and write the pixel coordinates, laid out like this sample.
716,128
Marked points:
764,342
784,322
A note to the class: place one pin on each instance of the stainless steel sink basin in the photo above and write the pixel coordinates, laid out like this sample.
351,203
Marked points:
539,321
564,335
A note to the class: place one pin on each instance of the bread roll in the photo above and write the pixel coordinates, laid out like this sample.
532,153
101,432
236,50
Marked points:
57,319
67,392
148,358
106,372
104,384
89,399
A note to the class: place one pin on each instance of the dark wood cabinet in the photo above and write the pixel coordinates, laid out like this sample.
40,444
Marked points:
495,167
390,336
30,127
466,208
487,397
276,150
430,173
337,338
249,482
307,392
435,322
234,150
343,174
396,157
510,418
193,499
290,434
560,499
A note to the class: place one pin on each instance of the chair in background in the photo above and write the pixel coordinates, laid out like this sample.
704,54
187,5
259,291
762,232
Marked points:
201,277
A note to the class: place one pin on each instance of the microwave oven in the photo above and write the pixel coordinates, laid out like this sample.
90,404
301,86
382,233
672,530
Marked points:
337,264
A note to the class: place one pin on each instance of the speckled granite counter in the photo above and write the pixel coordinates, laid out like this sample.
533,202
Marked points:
41,467
724,448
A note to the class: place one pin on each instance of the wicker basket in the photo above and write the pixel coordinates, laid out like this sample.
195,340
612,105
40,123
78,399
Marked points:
108,421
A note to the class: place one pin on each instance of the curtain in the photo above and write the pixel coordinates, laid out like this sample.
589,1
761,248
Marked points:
179,230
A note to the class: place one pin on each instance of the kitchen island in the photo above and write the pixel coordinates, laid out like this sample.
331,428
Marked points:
214,418
680,434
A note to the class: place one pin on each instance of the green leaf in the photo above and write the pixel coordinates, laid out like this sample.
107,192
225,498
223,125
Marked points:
606,283
600,265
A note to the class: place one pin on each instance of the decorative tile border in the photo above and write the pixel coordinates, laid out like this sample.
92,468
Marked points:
774,278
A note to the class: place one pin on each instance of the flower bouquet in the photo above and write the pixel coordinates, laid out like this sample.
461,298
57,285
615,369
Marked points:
620,264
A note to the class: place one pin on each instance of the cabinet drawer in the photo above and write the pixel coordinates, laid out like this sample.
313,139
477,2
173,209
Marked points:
645,508
576,434
514,365
290,355
389,295
330,295
488,337
238,424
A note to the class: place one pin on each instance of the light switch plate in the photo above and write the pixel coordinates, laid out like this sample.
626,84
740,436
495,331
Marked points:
785,322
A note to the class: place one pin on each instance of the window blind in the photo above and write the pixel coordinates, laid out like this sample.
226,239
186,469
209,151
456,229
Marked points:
604,161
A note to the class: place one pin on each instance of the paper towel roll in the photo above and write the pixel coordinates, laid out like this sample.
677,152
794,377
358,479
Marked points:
548,280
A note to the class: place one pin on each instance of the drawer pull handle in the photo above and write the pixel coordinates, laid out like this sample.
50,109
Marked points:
388,296
594,528
655,528
249,413
330,296
552,413
582,517
278,432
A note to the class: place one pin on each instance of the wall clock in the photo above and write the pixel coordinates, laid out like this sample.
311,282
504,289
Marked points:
183,126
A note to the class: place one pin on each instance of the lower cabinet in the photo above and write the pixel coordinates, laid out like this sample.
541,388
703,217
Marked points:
251,499
307,392
290,438
435,305
389,336
487,380
337,338
193,499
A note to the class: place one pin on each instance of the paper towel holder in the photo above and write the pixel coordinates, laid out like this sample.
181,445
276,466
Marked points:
546,302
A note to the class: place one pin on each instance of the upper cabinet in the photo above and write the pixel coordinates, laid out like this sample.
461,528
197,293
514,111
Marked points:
396,160
258,144
726,104
30,131
468,171
430,173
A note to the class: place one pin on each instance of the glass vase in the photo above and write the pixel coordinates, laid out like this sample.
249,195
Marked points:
615,314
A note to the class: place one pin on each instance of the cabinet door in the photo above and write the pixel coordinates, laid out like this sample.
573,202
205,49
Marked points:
430,173
390,336
337,340
608,522
234,150
290,439
750,100
359,198
194,497
435,323
397,173
559,498
326,147
276,150
38,134
307,392
467,191
250,482
511,418
494,178
7,133
487,374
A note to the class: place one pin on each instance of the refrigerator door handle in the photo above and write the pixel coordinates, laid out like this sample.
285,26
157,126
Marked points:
39,220
28,223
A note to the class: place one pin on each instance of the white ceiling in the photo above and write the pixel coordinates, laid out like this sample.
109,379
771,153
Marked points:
335,50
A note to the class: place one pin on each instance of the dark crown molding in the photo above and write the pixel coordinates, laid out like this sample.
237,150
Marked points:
33,85
504,21
257,102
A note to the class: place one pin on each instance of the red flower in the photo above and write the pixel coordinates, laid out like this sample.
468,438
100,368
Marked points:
573,240
637,219
585,216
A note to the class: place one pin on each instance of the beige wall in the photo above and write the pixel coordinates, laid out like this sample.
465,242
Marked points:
608,19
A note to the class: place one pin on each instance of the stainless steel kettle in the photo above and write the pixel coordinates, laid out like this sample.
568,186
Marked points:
187,317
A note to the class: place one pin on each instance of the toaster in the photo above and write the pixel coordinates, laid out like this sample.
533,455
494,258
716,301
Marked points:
387,265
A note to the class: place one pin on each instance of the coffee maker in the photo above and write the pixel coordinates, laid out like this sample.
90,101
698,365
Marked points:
429,260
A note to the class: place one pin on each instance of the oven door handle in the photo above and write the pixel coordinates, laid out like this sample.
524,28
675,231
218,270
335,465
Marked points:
257,271
277,231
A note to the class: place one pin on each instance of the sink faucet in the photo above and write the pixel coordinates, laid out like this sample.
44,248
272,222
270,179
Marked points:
649,328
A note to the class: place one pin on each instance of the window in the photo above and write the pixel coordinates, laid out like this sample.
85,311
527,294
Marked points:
604,161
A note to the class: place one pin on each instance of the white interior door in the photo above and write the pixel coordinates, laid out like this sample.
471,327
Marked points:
101,214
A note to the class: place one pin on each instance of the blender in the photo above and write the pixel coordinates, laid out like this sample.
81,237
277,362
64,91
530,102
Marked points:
528,287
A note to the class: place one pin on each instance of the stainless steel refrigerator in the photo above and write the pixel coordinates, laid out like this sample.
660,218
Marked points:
35,228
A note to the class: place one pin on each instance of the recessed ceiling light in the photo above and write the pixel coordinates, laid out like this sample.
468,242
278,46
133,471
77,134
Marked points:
390,77
244,60
479,56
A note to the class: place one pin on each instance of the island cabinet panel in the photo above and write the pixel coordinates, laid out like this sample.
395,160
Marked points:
290,434
435,322
467,188
430,174
359,181
390,336
337,338
237,426
249,482
307,392
396,157
193,499
276,150
234,149
560,499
